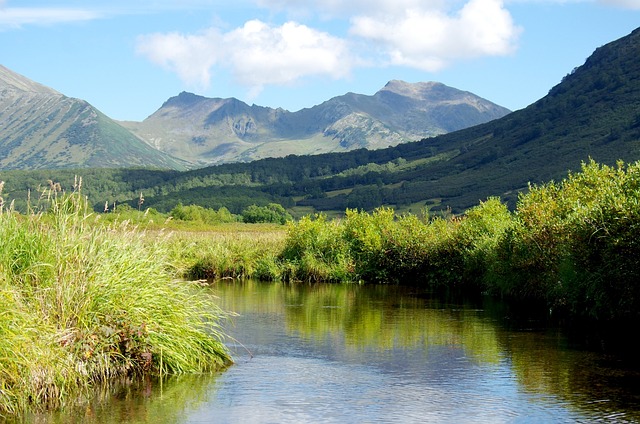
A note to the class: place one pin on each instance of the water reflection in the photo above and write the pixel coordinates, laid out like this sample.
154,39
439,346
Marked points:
384,318
349,353
135,401
527,371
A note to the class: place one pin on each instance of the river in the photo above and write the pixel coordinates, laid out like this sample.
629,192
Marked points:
379,354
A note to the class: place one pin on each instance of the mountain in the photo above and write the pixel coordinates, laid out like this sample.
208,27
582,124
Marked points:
207,131
42,128
593,113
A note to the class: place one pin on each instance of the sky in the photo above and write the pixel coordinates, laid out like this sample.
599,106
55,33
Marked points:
127,57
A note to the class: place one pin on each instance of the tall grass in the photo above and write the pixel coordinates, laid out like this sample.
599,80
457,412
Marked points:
82,303
385,247
236,251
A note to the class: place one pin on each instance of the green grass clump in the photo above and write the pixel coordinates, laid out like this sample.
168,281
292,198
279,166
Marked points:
82,303
228,251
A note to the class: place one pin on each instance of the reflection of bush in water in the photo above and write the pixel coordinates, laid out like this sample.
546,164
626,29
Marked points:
379,317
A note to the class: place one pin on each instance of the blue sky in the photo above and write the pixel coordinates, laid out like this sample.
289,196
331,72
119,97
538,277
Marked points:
128,57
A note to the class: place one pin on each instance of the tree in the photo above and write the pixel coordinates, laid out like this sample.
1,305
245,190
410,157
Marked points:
272,213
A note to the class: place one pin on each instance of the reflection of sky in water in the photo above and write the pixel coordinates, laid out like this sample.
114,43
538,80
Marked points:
295,380
317,364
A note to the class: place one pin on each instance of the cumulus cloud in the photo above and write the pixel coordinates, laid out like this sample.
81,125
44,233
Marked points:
261,54
191,57
257,54
422,34
430,39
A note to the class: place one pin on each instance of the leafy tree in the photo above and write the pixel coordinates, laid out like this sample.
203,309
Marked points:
196,213
272,213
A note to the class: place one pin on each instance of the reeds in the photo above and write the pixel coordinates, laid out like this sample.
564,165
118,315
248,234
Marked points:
83,303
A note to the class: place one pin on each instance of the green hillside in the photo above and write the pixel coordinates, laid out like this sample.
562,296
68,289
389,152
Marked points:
593,113
44,129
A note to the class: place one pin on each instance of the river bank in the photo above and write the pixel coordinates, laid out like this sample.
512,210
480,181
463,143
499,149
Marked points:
85,300
571,247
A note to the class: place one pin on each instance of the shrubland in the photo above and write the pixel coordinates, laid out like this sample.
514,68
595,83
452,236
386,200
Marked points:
570,246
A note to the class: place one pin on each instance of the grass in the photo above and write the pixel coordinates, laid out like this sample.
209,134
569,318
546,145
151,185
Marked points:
81,304
229,251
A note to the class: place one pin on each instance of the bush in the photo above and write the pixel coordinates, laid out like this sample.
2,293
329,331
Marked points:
272,213
199,214
316,251
574,244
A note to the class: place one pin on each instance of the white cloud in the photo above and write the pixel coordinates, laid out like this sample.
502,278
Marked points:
189,56
257,54
423,34
15,17
431,39
262,55
626,4
341,7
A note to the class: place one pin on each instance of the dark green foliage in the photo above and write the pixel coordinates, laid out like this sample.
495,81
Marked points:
198,214
272,213
574,244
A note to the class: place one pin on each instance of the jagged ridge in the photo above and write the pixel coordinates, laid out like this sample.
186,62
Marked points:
208,131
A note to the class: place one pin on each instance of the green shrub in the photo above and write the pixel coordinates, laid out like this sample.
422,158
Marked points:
272,213
574,244
479,234
603,267
199,214
315,250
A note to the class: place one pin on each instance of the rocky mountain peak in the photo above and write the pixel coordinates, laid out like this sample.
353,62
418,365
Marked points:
184,99
418,90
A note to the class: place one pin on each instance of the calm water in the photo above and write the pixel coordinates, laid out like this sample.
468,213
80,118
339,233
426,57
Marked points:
350,354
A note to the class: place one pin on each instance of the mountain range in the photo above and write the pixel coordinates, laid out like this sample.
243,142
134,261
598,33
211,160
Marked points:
44,129
207,131
593,113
